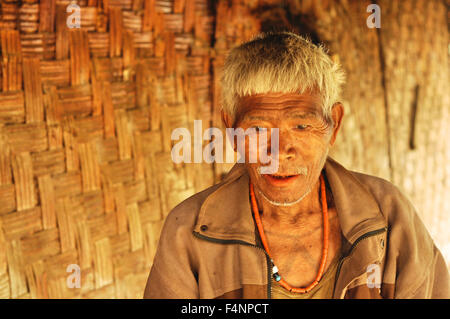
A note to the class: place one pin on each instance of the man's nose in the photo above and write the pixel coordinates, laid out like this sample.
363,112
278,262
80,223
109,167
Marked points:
286,144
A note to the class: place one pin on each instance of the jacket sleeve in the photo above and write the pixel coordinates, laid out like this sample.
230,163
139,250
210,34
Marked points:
420,269
172,275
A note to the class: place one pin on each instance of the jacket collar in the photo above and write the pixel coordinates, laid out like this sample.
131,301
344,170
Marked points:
227,214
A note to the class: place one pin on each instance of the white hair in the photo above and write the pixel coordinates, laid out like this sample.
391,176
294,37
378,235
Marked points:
281,62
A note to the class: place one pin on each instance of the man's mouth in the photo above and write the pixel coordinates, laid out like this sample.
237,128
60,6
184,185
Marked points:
280,180
281,176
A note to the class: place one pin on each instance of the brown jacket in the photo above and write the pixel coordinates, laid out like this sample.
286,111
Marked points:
210,248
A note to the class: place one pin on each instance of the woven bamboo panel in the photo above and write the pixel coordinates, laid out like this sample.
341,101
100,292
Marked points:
86,116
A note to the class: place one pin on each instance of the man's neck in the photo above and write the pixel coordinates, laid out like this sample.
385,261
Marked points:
286,216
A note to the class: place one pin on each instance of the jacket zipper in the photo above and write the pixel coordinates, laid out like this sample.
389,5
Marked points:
357,241
240,242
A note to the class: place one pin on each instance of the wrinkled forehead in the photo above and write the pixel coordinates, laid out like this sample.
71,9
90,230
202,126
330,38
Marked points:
309,103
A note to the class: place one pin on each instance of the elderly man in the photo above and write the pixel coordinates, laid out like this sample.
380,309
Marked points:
312,229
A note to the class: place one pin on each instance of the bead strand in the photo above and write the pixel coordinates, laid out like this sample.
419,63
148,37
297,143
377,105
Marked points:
323,261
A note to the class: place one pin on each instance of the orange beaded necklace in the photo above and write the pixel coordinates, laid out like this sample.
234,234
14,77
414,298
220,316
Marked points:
323,261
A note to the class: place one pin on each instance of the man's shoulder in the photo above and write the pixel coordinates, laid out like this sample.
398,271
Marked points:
378,186
393,203
186,212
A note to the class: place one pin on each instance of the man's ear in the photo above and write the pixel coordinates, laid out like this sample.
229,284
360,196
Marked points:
337,113
226,119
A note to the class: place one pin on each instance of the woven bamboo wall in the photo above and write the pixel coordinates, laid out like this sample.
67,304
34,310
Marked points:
86,115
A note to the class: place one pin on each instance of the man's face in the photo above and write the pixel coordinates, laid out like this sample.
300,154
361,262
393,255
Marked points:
304,140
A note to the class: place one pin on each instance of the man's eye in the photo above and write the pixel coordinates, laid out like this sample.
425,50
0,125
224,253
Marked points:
259,128
302,126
